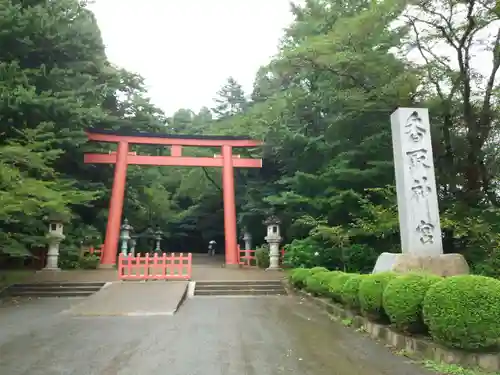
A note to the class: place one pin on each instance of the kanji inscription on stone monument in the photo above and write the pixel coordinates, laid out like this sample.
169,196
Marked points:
415,182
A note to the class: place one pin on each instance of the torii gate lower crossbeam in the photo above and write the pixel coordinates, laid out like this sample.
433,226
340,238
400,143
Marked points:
123,157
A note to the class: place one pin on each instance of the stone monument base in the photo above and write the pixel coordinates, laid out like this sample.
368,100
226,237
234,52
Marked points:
441,265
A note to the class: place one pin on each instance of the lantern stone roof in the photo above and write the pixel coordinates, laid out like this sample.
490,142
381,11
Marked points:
56,217
126,225
272,220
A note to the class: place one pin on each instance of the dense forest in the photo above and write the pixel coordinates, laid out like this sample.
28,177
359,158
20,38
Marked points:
321,105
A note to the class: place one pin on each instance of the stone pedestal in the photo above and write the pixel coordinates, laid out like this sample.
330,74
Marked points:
125,236
247,237
53,254
133,243
274,256
441,265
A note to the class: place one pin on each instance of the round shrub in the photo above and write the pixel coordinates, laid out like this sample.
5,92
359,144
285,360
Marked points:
464,311
317,283
89,262
402,300
371,290
325,277
350,292
298,277
262,257
318,269
336,284
314,286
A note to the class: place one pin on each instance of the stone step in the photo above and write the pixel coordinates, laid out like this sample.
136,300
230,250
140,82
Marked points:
59,284
18,289
238,286
239,292
48,293
238,282
53,289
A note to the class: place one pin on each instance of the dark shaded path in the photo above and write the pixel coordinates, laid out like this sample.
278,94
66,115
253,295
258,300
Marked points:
208,336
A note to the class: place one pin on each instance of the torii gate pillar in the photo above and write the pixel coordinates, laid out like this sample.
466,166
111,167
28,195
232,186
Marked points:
108,259
231,239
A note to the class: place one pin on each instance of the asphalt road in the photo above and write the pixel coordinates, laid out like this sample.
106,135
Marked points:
207,336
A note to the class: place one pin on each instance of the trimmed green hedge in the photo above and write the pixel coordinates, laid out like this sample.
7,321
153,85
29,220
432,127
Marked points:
313,286
317,283
464,311
403,298
315,270
350,292
336,284
459,312
298,277
327,276
371,291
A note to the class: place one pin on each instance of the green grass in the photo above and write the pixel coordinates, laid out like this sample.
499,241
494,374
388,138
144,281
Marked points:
347,322
445,369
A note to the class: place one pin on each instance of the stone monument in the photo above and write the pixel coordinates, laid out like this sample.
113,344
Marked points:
273,238
55,236
420,229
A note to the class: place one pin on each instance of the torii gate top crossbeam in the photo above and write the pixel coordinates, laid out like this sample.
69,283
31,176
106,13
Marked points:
176,142
101,135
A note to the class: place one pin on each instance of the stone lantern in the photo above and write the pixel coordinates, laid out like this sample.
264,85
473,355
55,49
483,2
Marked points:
273,238
158,236
55,236
247,237
125,235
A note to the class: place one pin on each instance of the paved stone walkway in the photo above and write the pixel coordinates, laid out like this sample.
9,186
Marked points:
207,336
133,299
205,268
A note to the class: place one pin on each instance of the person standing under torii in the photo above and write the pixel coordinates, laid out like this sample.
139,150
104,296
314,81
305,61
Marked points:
211,247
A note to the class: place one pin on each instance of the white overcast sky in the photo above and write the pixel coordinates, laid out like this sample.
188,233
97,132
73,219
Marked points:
185,49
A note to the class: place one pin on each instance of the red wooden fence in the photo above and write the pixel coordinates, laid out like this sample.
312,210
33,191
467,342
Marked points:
246,257
96,250
156,267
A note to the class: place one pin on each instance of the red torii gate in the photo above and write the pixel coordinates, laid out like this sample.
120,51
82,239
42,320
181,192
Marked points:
122,158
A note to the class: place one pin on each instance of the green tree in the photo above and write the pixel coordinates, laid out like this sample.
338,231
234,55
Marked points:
30,188
230,99
321,105
55,82
447,36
